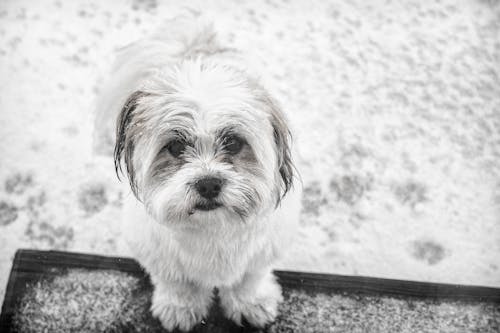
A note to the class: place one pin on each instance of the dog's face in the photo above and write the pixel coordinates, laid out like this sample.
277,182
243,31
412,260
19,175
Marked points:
204,141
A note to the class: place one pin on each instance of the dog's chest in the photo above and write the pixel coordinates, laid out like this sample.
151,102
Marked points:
220,259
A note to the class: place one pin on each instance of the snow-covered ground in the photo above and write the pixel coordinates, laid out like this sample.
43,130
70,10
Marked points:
396,107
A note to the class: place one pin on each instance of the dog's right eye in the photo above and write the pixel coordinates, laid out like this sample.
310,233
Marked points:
233,144
176,147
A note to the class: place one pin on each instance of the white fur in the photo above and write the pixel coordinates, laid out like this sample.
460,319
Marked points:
226,254
189,252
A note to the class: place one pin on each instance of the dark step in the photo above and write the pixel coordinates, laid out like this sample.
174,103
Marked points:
51,291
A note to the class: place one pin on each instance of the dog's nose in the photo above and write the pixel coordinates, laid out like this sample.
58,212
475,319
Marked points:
208,187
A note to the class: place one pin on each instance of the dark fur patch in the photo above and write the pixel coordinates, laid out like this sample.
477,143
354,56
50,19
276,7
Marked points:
244,160
124,146
283,140
164,166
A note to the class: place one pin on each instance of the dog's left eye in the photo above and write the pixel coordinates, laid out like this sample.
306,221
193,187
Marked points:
176,147
233,144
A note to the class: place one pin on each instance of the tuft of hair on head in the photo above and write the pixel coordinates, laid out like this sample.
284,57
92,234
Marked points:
124,144
190,34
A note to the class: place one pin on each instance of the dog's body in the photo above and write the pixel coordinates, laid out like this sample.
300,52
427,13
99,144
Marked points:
207,153
222,255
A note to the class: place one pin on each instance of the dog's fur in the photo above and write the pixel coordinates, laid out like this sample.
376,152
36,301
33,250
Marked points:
181,86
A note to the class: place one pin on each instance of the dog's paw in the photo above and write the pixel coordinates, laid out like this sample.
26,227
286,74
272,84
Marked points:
259,308
258,312
174,315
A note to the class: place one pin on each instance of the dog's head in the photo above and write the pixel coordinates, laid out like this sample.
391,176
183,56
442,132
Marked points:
203,141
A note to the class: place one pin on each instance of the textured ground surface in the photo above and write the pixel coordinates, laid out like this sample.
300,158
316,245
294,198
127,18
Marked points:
108,301
396,108
83,301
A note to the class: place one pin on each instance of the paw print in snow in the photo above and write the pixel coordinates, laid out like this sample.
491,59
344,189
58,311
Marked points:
8,213
18,183
350,188
427,251
92,198
410,193
312,199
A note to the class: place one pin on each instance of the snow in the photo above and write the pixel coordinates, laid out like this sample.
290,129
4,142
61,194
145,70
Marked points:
396,113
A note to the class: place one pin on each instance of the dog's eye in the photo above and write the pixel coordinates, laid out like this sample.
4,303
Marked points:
176,147
233,144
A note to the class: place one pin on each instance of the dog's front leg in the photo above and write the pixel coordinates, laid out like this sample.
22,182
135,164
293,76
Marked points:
180,304
255,298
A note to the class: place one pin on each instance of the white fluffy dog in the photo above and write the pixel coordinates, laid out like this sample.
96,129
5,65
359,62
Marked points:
208,157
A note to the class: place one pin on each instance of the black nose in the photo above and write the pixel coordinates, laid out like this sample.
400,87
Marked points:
209,187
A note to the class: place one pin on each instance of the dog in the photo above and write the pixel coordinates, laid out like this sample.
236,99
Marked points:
208,157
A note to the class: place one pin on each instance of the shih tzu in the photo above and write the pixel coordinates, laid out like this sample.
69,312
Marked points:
207,154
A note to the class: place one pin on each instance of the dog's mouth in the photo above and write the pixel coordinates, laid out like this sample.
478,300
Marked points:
206,206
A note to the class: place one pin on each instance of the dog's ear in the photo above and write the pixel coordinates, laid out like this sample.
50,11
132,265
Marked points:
124,145
283,141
